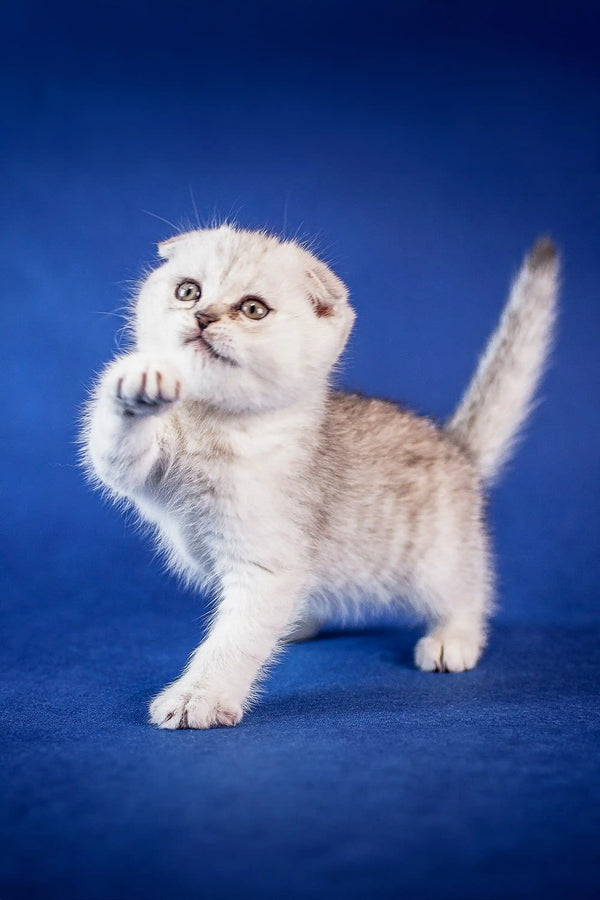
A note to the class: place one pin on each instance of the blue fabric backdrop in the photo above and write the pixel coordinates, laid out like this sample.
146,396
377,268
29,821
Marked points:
424,145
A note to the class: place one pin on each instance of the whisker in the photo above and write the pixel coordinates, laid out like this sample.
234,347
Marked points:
160,218
103,312
195,207
285,210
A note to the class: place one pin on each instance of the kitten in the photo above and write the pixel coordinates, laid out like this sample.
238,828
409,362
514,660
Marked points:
277,493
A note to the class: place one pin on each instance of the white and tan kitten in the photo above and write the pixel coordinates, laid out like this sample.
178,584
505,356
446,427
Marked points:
279,494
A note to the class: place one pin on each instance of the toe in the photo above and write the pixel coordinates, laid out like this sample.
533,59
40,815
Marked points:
173,709
459,655
448,652
229,714
428,654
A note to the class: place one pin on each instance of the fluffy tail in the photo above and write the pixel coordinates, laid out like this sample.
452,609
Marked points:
500,394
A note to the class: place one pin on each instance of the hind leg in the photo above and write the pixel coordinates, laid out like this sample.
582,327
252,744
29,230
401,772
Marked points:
458,610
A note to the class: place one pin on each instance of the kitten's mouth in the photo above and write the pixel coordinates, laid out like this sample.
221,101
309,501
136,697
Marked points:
207,347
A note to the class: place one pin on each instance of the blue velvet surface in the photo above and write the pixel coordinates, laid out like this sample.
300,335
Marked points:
423,146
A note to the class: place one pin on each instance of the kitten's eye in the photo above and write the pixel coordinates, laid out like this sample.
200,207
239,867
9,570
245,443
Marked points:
188,291
254,308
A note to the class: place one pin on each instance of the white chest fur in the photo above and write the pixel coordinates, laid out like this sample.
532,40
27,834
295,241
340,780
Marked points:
230,495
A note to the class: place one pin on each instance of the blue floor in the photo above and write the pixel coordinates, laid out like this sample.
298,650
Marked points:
423,146
356,776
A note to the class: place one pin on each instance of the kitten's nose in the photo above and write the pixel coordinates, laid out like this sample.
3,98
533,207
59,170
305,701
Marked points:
204,319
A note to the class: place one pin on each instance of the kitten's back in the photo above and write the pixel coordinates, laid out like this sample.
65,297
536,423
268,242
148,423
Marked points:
390,485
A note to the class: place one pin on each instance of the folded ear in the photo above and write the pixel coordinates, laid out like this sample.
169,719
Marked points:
167,248
326,292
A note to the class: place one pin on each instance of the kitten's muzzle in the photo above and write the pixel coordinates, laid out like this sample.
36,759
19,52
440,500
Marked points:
205,319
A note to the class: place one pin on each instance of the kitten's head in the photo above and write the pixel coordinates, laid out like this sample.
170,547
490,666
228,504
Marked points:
251,321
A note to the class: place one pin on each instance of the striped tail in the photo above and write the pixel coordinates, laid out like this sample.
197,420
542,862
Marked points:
499,397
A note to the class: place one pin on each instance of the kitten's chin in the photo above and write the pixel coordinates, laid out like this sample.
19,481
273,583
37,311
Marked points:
237,391
200,345
230,387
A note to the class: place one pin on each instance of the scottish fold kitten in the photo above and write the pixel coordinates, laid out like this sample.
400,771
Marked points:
279,494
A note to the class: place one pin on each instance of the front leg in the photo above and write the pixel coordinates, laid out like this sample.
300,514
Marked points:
217,686
126,434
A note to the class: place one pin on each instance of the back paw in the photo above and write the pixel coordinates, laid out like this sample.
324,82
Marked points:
448,650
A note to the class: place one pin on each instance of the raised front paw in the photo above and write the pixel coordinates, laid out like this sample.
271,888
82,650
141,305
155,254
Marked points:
142,386
187,705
